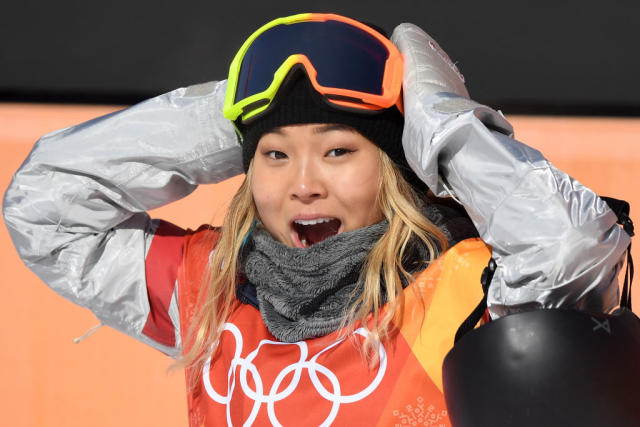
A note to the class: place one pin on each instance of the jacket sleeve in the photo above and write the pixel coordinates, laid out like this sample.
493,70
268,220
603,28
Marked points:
555,242
76,209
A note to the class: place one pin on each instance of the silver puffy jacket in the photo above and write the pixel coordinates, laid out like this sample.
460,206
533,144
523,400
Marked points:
76,209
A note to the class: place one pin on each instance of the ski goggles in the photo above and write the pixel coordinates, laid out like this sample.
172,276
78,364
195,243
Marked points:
350,64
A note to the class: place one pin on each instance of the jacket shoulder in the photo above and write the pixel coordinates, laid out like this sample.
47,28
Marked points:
439,300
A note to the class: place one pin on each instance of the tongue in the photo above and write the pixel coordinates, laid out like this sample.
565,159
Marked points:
316,233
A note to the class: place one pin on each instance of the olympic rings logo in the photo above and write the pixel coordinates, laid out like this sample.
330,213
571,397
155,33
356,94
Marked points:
274,395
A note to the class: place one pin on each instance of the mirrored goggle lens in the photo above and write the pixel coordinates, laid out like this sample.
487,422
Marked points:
345,57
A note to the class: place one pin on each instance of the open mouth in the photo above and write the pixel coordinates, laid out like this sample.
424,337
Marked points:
312,231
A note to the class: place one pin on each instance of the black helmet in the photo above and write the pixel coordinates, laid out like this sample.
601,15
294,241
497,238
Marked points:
549,367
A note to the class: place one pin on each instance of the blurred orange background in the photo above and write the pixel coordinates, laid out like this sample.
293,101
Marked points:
110,379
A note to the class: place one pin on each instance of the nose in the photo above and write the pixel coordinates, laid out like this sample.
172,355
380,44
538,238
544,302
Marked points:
308,183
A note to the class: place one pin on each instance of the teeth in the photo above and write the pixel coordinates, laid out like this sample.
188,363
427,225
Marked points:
304,243
312,221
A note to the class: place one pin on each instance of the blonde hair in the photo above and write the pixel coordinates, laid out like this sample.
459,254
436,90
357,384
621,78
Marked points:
382,267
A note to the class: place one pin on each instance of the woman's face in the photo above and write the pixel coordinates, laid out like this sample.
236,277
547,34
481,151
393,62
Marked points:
312,181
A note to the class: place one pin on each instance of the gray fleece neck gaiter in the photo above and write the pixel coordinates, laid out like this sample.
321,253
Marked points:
304,293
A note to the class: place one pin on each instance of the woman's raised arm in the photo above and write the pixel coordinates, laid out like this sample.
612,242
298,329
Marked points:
555,242
76,208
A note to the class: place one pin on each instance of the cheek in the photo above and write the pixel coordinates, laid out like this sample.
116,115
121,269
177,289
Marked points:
261,197
266,190
358,189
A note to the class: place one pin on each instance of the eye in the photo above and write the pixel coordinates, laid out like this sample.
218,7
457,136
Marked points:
276,155
337,152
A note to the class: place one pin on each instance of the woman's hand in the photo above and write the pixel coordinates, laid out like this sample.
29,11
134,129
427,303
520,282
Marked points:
428,69
434,94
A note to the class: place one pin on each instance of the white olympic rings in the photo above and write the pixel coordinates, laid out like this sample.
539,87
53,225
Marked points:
274,395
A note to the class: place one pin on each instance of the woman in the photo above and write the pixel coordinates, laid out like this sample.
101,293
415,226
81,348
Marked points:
330,241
